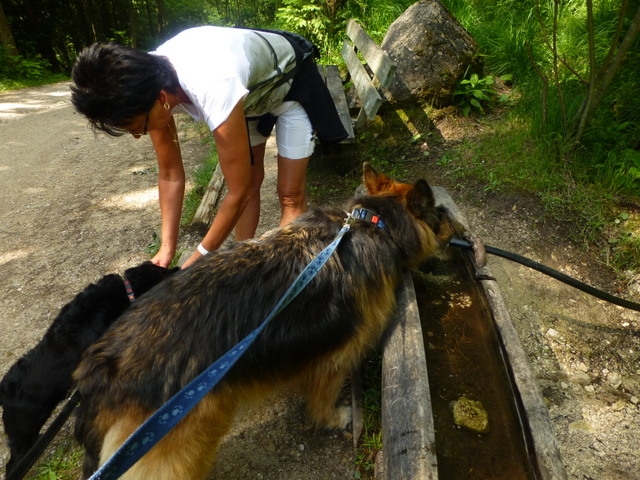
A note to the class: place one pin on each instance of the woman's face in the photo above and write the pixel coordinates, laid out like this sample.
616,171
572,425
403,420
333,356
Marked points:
139,126
155,119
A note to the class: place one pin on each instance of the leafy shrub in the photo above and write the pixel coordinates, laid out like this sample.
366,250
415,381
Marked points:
18,67
475,93
620,172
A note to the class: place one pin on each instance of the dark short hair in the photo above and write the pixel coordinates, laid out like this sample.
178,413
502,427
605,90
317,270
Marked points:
113,84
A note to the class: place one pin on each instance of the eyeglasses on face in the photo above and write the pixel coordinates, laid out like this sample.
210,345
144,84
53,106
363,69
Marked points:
145,129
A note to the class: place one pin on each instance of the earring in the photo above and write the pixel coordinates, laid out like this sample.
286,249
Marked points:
166,106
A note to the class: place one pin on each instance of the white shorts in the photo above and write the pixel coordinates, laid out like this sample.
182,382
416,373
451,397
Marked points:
294,135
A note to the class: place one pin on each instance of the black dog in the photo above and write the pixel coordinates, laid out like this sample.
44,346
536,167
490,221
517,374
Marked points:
39,380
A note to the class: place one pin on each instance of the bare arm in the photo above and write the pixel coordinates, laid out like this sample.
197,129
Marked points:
171,186
232,144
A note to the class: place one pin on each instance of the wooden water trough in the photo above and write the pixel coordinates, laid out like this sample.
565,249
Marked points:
412,445
411,442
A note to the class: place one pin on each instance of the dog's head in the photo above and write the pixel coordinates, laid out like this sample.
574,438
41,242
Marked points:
146,276
418,201
417,198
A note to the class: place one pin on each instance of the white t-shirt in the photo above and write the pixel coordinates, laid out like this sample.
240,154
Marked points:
218,66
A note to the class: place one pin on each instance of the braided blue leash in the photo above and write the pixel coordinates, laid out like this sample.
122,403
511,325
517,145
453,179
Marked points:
177,407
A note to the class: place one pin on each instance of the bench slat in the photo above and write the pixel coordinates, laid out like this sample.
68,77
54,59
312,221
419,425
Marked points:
378,60
331,75
367,93
364,59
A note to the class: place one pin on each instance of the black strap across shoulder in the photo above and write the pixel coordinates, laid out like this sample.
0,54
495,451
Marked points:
302,47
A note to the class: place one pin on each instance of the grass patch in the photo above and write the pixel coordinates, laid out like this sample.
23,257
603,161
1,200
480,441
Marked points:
498,153
201,178
203,174
7,84
506,160
63,464
502,157
371,442
623,246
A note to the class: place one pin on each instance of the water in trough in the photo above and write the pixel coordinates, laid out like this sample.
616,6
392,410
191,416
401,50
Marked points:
465,359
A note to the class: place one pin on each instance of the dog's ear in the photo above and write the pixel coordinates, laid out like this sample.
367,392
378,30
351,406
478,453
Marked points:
373,181
421,196
422,203
146,275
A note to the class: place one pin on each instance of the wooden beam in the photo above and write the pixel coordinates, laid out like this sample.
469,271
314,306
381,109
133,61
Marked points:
409,445
369,96
206,210
332,78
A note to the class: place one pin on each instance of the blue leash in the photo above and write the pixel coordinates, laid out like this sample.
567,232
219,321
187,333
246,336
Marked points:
177,407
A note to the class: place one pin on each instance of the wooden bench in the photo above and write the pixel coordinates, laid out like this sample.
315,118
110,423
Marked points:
369,69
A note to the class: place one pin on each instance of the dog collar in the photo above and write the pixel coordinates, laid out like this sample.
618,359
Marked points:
368,216
130,292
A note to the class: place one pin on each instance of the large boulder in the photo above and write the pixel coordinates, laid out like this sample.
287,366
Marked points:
432,52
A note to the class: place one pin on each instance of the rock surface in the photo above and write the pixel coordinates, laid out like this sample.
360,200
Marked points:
432,52
470,414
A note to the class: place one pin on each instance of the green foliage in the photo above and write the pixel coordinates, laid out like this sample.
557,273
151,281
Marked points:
619,172
239,13
19,72
57,31
578,181
154,245
17,67
324,22
474,93
624,242
201,178
545,45
62,464
312,20
586,208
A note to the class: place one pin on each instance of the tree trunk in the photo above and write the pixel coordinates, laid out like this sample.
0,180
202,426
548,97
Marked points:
604,78
6,37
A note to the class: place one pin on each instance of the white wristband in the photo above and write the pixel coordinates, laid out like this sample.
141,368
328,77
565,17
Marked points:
203,251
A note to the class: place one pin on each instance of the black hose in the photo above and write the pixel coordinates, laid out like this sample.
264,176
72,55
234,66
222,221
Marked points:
456,242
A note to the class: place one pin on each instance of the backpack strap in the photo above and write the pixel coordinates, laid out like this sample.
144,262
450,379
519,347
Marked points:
302,48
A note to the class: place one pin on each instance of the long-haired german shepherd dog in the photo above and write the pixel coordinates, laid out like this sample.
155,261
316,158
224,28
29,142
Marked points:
180,328
42,377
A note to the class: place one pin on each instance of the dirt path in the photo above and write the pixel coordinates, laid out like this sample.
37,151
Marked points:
75,206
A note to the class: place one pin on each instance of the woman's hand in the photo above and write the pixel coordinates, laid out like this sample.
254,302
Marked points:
163,258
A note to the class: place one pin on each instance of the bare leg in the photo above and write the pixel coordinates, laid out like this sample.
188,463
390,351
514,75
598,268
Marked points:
292,175
248,222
